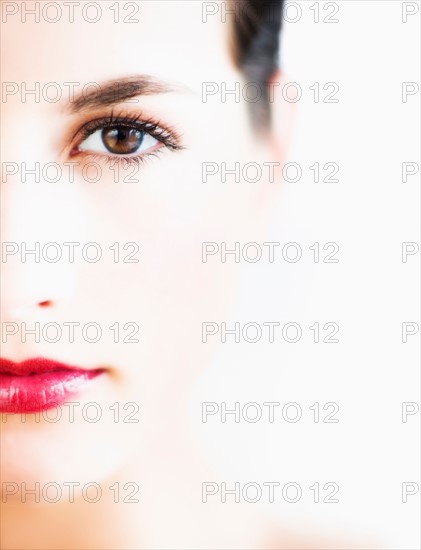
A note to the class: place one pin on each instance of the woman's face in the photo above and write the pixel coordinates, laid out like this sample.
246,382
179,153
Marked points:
119,161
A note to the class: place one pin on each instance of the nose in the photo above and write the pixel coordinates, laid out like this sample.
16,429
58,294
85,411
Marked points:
36,218
34,228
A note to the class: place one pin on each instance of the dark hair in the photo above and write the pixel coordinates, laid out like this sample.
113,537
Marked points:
257,26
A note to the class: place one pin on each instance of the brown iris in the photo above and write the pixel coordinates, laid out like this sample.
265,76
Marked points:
122,140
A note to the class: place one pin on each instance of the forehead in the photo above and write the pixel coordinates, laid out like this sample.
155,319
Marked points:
60,41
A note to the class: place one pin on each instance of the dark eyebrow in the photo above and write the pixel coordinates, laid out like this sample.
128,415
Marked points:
116,91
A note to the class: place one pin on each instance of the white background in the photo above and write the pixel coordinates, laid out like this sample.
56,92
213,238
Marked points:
369,133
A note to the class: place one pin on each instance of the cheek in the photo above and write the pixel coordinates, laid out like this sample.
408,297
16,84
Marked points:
171,290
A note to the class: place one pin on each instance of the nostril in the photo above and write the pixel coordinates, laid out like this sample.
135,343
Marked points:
45,303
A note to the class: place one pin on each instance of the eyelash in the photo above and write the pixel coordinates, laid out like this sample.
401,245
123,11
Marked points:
168,137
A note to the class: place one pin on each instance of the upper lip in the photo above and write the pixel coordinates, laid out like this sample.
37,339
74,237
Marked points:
37,365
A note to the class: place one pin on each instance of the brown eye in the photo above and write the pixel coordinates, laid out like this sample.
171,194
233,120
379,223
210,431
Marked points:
122,140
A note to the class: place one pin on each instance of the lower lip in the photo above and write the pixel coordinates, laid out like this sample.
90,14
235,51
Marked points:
42,391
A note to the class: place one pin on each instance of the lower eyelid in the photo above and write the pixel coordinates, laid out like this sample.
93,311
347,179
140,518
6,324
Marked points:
88,158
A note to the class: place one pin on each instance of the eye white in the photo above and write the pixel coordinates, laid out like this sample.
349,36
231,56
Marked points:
95,144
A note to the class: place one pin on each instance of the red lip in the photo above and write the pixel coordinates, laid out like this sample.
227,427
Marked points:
40,384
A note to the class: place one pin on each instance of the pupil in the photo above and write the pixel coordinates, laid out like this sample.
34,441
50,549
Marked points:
122,141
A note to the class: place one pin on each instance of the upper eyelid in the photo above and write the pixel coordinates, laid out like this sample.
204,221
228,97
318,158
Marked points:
109,120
